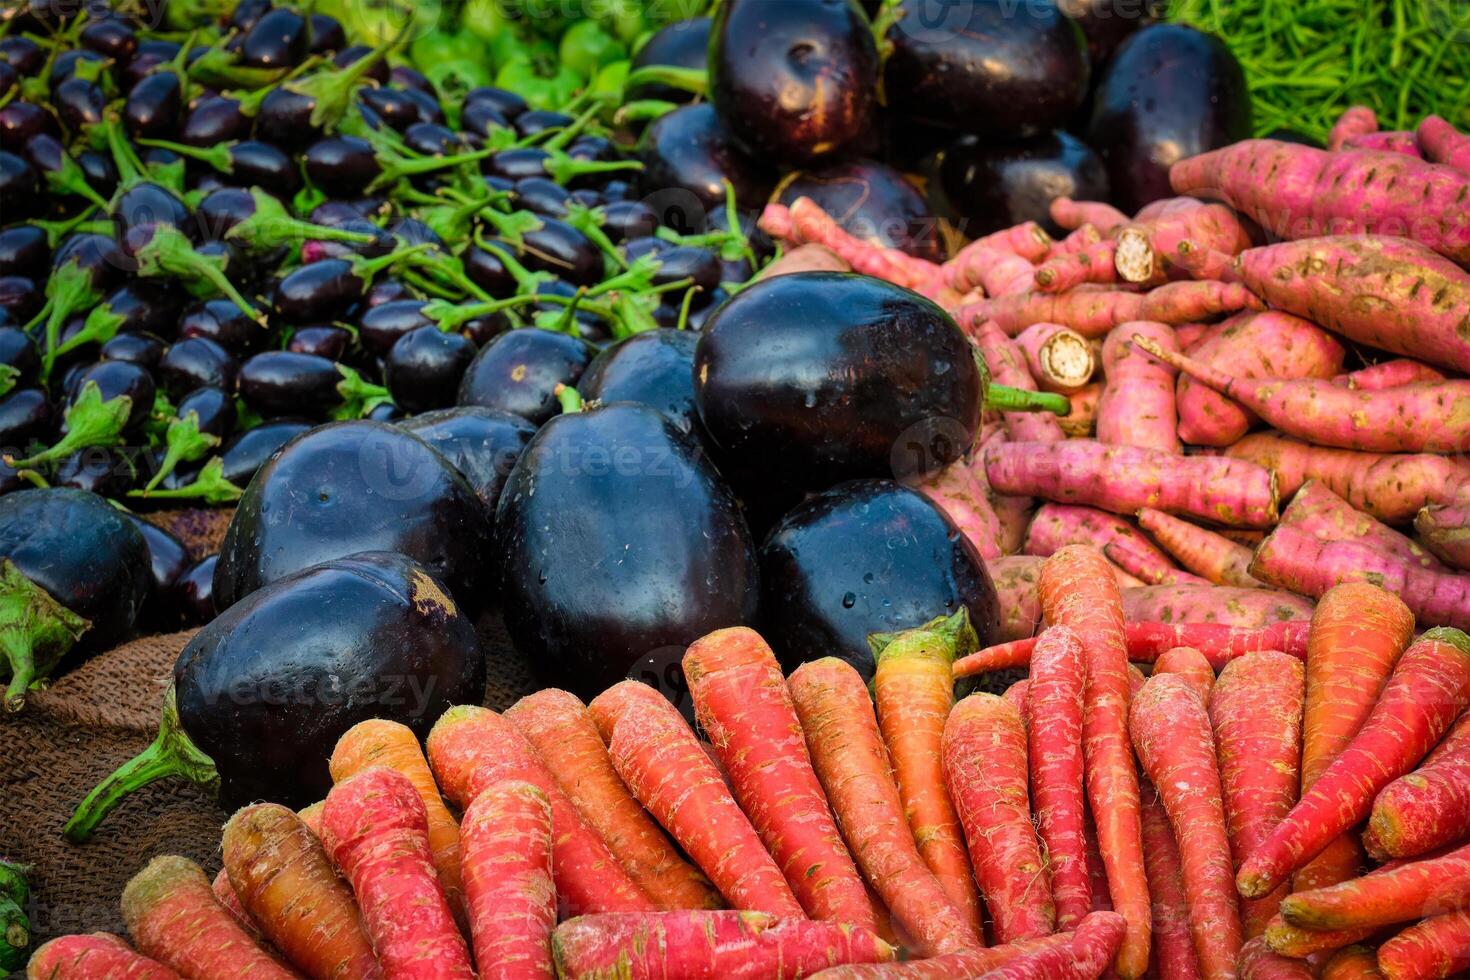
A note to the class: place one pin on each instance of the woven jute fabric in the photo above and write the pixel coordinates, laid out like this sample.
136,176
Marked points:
92,719
201,530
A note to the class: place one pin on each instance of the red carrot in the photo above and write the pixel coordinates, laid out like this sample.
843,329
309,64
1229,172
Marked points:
660,760
506,838
1287,940
849,758
565,738
985,770
949,966
1352,963
1174,956
100,954
173,918
913,691
1054,707
1424,809
742,703
1097,872
224,893
1096,941
1189,663
1406,891
1171,732
1258,962
471,749
1077,591
1202,551
738,945
1436,947
375,829
1256,711
285,882
1427,691
379,742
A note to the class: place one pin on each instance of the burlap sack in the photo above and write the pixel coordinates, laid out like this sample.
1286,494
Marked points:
87,723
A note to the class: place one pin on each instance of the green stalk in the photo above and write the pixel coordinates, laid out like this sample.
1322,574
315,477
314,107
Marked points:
692,80
184,443
90,421
218,156
210,486
169,253
171,754
569,398
36,631
1006,399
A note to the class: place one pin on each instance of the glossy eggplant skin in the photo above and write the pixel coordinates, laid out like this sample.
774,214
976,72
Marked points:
482,443
267,688
167,560
1170,92
1107,24
653,368
795,82
837,376
619,543
686,156
77,547
682,44
518,372
984,185
193,592
987,66
356,486
866,556
248,452
874,202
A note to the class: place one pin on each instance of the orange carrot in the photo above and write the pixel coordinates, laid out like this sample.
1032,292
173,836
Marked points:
1288,940
471,749
1436,947
1016,697
506,839
1407,891
742,703
1358,634
1174,955
1097,873
1419,812
656,754
173,918
700,943
1077,590
563,734
100,954
985,770
1352,963
1426,692
375,829
1256,711
1054,740
1258,962
312,816
1202,551
286,883
850,761
379,742
1190,664
1086,956
224,893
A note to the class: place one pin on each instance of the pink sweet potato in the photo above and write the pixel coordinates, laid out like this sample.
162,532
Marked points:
1212,556
1124,479
1323,514
1057,525
1386,141
1199,239
804,222
1094,313
1137,407
1060,359
1081,421
1391,487
1246,608
1096,263
1426,417
1444,144
1252,345
805,258
1358,120
960,491
1295,560
1385,292
1082,237
996,271
1007,363
1445,530
1389,374
1027,239
1297,191
1072,215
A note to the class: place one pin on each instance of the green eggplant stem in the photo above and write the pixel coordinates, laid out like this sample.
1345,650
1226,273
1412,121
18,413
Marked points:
36,631
171,754
90,421
692,80
569,398
1007,399
644,110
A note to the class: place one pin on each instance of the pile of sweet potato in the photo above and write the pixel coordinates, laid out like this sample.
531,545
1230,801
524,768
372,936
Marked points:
1251,423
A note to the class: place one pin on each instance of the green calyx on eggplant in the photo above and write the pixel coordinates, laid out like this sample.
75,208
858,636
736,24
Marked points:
74,574
986,65
356,486
262,693
839,376
1170,92
15,927
867,557
986,184
794,82
618,542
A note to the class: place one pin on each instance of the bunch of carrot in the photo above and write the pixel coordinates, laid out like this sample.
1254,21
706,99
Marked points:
1178,340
